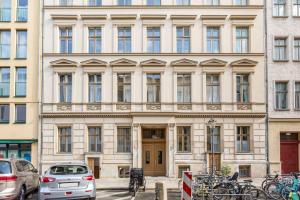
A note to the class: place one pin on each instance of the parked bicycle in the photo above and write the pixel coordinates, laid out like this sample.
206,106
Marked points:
137,180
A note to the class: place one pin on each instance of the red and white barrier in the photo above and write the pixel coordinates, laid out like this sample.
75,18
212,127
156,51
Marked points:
186,192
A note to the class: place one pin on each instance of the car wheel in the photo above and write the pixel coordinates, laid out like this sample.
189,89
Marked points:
22,194
92,198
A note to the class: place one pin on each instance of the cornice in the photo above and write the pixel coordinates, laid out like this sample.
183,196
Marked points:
63,63
242,17
153,17
153,62
213,17
285,120
213,63
93,17
123,17
93,63
64,17
183,17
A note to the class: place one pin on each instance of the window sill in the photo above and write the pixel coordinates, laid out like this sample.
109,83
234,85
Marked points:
280,60
5,21
63,153
244,153
20,122
20,58
4,58
296,60
4,122
21,21
297,109
20,96
285,16
184,153
296,16
282,109
4,96
124,153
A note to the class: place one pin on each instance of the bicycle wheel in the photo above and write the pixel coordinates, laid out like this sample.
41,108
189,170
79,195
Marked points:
273,190
219,191
285,192
256,194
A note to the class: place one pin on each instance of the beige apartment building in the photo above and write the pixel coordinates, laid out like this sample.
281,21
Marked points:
19,55
133,83
283,52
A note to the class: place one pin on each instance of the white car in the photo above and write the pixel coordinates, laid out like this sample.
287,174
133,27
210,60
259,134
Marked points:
71,181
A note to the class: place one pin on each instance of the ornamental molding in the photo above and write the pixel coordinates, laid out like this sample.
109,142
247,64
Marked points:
153,63
244,63
242,17
153,17
213,63
64,17
213,17
123,17
183,17
123,62
93,63
93,17
184,62
63,63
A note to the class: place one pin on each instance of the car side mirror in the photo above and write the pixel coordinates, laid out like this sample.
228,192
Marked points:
35,171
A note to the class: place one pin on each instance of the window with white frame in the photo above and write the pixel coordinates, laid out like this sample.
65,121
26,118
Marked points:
4,81
65,39
153,2
94,2
296,8
5,10
280,49
64,140
242,88
297,95
183,2
65,88
281,95
95,39
184,139
184,88
95,88
153,88
183,42
124,39
279,8
242,39
214,139
124,87
243,139
213,88
20,81
241,2
4,43
124,2
95,140
124,139
153,39
213,2
22,11
297,49
21,44
213,39
65,2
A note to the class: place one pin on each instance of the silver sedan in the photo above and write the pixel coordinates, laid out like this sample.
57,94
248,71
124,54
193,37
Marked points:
67,181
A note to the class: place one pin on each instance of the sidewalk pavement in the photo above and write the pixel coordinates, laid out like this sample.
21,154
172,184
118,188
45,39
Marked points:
171,183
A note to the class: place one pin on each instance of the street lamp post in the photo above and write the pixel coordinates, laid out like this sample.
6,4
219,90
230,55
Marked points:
212,125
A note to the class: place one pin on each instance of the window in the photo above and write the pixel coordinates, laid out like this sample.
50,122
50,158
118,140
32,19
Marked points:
65,88
95,88
65,2
183,39
20,113
184,88
4,113
124,140
153,88
296,7
213,88
214,146
4,44
184,139
153,39
279,8
297,49
95,141
5,10
183,168
243,139
124,39
244,171
213,2
21,79
22,11
124,2
65,39
183,2
241,2
65,140
242,88
153,2
280,49
21,44
4,81
124,87
213,39
95,40
297,95
124,171
242,39
94,2
281,95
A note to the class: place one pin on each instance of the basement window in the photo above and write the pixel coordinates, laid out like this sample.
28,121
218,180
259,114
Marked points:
245,171
123,171
183,168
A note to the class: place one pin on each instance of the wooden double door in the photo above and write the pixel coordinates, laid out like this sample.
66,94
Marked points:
94,165
289,156
154,158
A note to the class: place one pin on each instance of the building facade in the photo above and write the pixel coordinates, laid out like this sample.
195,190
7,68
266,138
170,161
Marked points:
283,53
134,83
19,61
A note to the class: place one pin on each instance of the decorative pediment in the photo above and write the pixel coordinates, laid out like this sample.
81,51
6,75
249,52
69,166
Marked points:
123,62
213,62
184,62
63,63
153,62
93,63
244,63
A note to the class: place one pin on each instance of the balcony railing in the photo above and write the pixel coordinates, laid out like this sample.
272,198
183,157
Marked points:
22,14
5,14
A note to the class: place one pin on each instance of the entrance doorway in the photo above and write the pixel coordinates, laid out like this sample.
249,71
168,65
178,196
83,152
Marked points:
289,152
94,165
154,151
216,165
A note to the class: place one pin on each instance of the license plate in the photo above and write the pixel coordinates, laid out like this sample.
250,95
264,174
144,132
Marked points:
68,185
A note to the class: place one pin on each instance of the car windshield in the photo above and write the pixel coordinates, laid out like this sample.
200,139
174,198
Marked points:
5,167
68,169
